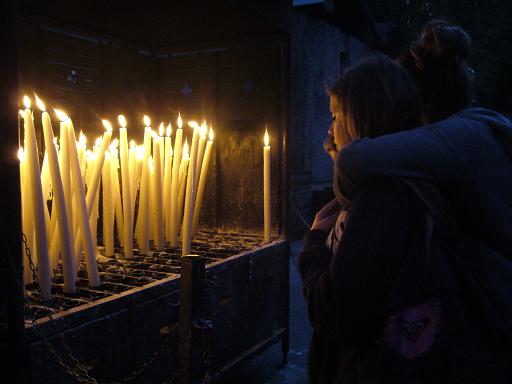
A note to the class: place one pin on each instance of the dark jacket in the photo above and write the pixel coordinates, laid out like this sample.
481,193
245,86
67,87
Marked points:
467,155
377,306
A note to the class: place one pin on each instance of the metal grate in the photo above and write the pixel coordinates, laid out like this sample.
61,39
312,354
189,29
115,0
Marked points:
120,275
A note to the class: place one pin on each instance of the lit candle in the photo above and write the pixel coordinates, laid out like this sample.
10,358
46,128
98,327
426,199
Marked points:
139,151
85,230
202,183
108,209
175,183
143,214
26,209
167,183
190,195
33,176
200,151
126,186
116,190
266,188
158,199
183,181
132,167
59,208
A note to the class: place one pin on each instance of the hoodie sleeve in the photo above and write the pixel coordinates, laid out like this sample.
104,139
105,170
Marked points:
439,153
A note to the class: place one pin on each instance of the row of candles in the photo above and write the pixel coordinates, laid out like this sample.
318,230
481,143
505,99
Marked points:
168,177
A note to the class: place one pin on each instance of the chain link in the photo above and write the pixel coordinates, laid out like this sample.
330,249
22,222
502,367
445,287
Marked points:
79,373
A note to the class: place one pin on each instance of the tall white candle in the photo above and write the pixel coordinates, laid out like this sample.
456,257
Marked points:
59,208
34,177
116,190
266,189
143,214
126,186
26,211
175,183
190,194
202,183
108,207
159,206
200,151
85,230
167,183
185,159
132,166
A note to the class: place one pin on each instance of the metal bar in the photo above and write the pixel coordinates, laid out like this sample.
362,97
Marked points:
191,309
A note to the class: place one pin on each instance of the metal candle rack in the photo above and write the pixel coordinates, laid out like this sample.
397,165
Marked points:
239,303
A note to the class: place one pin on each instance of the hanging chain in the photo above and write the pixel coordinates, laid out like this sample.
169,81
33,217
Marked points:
79,373
76,371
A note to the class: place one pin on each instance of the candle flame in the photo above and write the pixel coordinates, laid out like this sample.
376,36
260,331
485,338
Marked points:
40,103
265,139
113,145
185,149
61,115
97,143
154,135
139,151
21,154
107,125
147,121
204,130
180,121
161,129
82,139
169,130
26,101
132,144
193,124
211,133
122,121
22,114
90,155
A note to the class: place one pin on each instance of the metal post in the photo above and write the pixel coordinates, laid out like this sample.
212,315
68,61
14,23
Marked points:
191,309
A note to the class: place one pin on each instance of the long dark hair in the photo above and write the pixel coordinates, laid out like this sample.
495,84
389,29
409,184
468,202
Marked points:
437,63
377,97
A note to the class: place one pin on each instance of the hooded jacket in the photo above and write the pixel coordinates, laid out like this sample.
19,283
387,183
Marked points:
469,157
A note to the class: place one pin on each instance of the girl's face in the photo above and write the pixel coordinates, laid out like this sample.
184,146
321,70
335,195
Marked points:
337,130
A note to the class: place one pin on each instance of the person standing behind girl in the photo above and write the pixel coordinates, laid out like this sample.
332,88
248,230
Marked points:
378,275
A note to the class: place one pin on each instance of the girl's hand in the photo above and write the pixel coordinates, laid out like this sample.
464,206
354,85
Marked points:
327,216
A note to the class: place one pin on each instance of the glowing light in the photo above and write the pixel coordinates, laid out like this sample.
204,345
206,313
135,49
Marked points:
153,134
132,144
21,154
107,125
61,115
122,121
161,129
169,130
97,142
26,101
204,130
82,139
40,103
22,114
180,120
266,139
193,124
139,153
211,134
113,145
147,121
